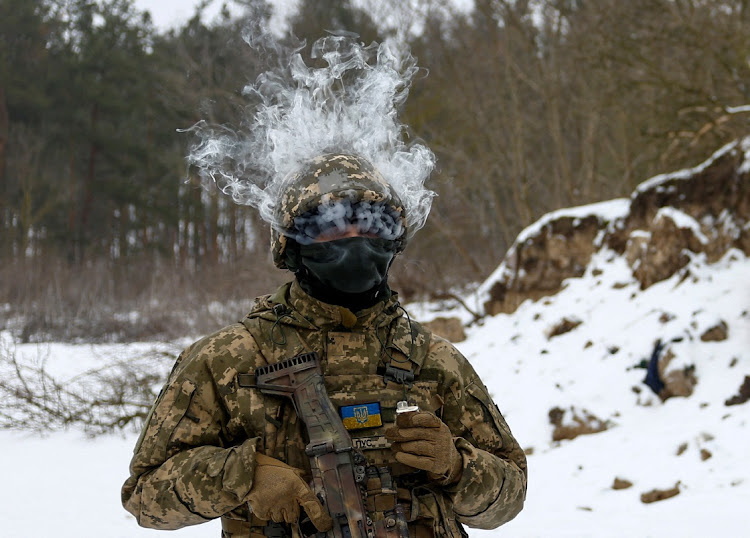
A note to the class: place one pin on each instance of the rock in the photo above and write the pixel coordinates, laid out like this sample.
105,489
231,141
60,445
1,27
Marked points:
665,253
565,325
449,328
581,422
678,382
705,454
717,333
536,267
665,380
705,210
556,416
744,394
714,192
666,317
621,483
702,210
660,494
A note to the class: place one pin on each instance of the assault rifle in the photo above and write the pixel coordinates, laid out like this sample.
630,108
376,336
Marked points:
339,472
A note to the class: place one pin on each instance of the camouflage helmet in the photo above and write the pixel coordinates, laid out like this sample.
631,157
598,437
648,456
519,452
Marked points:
335,180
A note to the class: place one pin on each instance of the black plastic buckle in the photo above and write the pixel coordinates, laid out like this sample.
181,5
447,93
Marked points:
397,375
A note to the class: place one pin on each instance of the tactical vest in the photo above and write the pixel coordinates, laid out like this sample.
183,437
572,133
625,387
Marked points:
367,370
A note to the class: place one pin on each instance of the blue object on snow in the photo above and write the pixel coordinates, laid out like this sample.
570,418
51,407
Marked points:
653,381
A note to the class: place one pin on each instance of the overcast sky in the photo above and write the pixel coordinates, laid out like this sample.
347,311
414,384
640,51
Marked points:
170,13
174,13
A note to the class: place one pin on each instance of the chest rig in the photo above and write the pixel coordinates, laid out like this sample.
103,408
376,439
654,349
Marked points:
386,344
370,364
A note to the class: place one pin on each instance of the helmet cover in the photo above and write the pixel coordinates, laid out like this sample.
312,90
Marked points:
331,193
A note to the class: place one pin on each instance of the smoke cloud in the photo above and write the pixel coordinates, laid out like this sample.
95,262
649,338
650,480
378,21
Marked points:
332,218
297,112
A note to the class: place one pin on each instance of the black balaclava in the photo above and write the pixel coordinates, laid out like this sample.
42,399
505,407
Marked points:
350,272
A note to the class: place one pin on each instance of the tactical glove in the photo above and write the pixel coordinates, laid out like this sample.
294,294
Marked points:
423,441
278,492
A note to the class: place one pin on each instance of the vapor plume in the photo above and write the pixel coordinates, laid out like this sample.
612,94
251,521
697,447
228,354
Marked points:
297,112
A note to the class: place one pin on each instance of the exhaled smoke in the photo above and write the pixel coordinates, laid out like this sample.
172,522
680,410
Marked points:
350,105
334,218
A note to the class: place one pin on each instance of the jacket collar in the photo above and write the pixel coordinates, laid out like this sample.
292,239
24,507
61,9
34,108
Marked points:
329,316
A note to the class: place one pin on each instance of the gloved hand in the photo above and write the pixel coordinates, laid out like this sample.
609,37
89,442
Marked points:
278,492
423,441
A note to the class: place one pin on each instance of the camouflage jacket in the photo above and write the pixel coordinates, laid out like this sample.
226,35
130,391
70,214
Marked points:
194,460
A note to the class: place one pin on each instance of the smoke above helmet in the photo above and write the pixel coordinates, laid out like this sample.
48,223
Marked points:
298,112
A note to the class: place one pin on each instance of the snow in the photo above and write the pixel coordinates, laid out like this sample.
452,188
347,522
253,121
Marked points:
681,220
745,146
688,173
66,486
570,482
74,481
608,211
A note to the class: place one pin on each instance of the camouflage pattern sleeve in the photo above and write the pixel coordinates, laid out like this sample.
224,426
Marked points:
184,470
492,487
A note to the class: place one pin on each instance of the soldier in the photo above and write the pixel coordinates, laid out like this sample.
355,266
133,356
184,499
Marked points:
215,446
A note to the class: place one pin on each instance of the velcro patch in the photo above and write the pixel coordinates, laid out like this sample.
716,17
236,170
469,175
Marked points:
370,443
356,417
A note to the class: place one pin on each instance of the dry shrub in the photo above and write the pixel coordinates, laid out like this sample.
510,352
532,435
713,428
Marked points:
100,400
144,299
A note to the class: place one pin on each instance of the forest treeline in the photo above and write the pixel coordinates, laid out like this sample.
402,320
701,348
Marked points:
529,106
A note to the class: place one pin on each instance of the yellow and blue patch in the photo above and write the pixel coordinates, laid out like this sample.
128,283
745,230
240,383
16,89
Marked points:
360,416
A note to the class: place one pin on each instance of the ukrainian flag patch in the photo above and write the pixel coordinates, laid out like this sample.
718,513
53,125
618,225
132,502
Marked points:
360,416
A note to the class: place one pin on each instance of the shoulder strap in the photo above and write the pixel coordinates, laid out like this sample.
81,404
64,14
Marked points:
268,324
405,350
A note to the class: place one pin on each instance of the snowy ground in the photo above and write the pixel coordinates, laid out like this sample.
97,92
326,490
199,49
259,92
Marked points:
570,482
65,485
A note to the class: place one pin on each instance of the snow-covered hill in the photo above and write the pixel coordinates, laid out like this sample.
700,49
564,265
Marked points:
696,443
569,362
584,302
